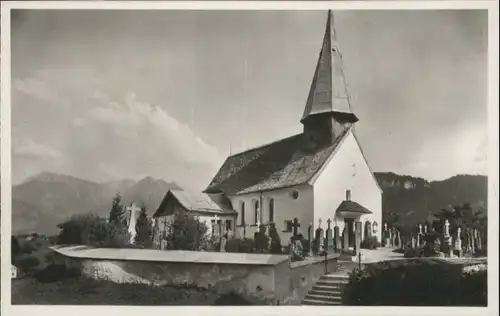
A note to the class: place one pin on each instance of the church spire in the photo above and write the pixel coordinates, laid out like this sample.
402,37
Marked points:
328,93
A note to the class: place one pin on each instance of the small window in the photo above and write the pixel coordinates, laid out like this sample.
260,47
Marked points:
229,224
288,226
213,227
256,212
242,213
271,210
295,194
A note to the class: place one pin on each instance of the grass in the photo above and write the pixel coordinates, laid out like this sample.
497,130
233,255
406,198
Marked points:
82,291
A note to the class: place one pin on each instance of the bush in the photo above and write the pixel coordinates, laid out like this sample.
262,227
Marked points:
416,283
413,252
53,273
92,230
232,299
27,264
245,245
275,246
187,233
261,240
370,243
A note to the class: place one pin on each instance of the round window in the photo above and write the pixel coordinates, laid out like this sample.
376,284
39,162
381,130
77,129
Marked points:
295,194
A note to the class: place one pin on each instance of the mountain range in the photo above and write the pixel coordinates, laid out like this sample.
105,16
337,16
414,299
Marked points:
47,199
414,200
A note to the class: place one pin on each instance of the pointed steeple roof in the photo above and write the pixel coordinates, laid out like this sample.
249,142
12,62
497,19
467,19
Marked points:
328,92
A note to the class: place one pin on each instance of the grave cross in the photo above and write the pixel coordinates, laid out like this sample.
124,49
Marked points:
296,226
216,220
329,221
320,221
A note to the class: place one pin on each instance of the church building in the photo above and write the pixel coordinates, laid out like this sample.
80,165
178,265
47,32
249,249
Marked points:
317,176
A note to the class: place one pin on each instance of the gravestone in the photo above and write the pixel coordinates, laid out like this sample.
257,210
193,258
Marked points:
163,244
386,236
413,242
338,241
223,242
479,246
368,234
320,240
295,227
392,234
358,226
329,237
345,237
458,242
400,244
310,238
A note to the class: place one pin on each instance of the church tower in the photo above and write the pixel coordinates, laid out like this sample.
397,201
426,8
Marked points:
327,112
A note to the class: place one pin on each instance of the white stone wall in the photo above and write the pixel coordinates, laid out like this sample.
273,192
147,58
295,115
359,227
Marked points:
347,171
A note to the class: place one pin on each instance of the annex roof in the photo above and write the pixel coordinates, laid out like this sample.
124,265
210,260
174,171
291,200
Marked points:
198,202
352,207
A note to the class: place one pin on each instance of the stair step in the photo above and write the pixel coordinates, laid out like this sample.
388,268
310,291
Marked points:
329,298
340,277
333,283
323,288
317,302
329,292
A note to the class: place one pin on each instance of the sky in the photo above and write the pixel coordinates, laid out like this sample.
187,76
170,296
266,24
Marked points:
107,95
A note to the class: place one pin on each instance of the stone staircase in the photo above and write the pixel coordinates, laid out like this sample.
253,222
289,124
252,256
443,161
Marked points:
328,290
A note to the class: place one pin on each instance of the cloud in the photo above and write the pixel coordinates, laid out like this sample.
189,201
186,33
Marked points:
101,135
29,149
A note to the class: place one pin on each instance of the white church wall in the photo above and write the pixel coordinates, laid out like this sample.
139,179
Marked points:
347,171
286,208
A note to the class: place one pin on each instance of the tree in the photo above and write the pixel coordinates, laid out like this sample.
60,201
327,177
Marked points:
92,230
186,232
275,246
14,247
143,229
117,214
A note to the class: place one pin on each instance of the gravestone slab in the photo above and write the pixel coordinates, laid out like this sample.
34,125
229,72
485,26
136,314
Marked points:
357,236
338,241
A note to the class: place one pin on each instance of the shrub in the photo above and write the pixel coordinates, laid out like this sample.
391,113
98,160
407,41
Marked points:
416,283
144,230
275,246
245,245
187,233
298,251
261,240
231,299
27,263
413,252
53,273
92,230
370,243
14,247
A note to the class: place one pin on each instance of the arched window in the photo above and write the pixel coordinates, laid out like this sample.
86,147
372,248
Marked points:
271,210
242,214
256,212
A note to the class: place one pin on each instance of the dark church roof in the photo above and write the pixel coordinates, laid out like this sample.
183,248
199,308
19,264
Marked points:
351,206
280,164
